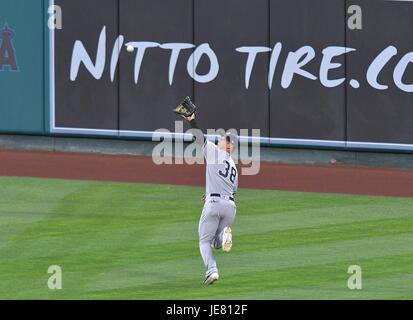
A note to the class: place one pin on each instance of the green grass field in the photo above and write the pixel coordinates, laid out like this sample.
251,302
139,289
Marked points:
131,241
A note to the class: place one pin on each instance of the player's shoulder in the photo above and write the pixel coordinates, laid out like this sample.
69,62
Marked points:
232,161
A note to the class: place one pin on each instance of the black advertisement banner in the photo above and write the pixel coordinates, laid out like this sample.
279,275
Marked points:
314,73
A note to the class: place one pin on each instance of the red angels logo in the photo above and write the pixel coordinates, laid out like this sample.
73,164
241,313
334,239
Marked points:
7,53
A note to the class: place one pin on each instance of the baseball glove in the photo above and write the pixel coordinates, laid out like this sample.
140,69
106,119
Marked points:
186,108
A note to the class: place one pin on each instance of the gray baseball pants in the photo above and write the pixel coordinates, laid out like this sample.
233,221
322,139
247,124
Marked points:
217,214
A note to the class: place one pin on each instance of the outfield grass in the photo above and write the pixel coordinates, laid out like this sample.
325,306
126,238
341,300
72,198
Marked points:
131,241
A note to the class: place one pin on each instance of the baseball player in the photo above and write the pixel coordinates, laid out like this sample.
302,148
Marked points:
219,208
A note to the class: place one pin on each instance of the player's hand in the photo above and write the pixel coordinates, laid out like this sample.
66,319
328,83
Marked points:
191,117
203,197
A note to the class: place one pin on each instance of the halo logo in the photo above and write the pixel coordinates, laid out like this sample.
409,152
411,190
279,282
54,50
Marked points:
7,53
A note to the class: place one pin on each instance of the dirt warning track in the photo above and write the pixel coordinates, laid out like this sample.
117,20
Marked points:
329,179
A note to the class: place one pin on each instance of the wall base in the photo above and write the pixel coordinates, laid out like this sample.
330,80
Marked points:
144,148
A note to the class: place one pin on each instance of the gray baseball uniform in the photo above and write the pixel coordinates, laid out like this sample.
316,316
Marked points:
219,211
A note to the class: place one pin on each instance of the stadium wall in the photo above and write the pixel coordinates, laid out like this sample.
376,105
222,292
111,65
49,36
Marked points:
294,69
23,104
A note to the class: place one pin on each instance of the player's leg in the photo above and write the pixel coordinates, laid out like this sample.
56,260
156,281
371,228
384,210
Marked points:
208,225
223,236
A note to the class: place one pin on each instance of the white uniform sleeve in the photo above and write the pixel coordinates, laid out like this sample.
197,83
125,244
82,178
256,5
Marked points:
210,151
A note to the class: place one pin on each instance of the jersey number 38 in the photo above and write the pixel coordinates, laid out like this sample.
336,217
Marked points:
225,174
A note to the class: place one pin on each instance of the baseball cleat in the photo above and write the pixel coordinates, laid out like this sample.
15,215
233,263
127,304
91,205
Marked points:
227,240
211,278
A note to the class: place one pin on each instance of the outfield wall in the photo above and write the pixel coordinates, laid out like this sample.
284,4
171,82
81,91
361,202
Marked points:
23,100
295,69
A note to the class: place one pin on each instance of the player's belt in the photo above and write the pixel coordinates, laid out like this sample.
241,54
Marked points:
219,196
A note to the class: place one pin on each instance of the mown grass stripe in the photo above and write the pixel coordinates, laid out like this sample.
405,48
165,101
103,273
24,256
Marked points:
139,241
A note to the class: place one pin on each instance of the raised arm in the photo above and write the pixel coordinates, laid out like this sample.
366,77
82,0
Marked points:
194,125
